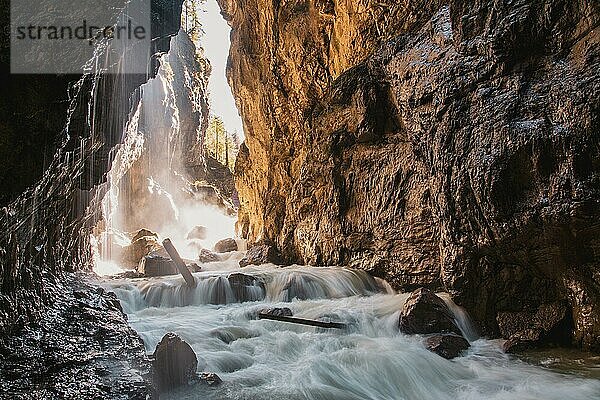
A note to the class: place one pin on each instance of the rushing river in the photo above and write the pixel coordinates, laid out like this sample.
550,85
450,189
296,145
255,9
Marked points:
260,359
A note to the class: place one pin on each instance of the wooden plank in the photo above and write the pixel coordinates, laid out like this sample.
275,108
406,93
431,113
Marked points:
302,321
179,263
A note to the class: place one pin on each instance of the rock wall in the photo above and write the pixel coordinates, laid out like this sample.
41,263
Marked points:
450,144
45,229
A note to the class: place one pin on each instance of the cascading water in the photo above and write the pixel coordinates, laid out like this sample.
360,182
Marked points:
150,185
370,359
262,359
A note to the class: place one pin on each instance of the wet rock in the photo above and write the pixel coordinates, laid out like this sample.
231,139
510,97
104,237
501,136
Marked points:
549,324
159,263
138,249
210,378
207,256
447,346
218,292
226,245
197,232
83,348
155,264
261,254
143,233
174,363
299,287
424,312
246,287
278,312
524,340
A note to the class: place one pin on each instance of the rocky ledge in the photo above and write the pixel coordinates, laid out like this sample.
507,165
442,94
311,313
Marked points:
83,347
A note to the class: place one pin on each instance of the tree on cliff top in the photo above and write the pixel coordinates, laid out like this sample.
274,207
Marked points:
220,144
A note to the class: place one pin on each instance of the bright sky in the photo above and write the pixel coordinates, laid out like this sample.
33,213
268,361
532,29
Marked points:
216,47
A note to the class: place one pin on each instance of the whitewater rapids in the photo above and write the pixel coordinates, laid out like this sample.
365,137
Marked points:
261,359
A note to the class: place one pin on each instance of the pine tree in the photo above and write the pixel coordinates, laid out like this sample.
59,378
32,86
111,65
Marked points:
215,138
227,151
190,20
235,148
220,144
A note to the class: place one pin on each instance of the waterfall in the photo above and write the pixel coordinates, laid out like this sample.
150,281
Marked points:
268,283
151,182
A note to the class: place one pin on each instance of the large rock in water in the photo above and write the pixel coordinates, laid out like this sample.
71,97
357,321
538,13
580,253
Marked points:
226,245
277,311
246,287
206,256
424,312
157,264
174,363
142,243
447,346
448,144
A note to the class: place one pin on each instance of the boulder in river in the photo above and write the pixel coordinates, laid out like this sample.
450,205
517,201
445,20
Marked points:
299,287
424,312
197,232
140,246
159,263
550,323
174,363
226,245
448,346
210,378
155,264
206,256
218,291
261,254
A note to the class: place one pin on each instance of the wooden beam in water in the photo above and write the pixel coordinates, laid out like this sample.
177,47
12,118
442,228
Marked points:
302,321
179,263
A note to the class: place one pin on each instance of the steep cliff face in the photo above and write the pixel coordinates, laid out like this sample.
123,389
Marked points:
452,144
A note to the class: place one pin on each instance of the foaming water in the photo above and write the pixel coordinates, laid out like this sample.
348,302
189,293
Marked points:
462,319
262,359
268,283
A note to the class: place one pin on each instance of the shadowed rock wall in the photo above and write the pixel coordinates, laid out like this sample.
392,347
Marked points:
45,229
451,144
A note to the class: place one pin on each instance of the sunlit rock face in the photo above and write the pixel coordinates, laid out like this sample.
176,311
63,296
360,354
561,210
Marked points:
447,144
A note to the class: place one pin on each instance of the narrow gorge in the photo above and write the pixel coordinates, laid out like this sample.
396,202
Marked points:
413,212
